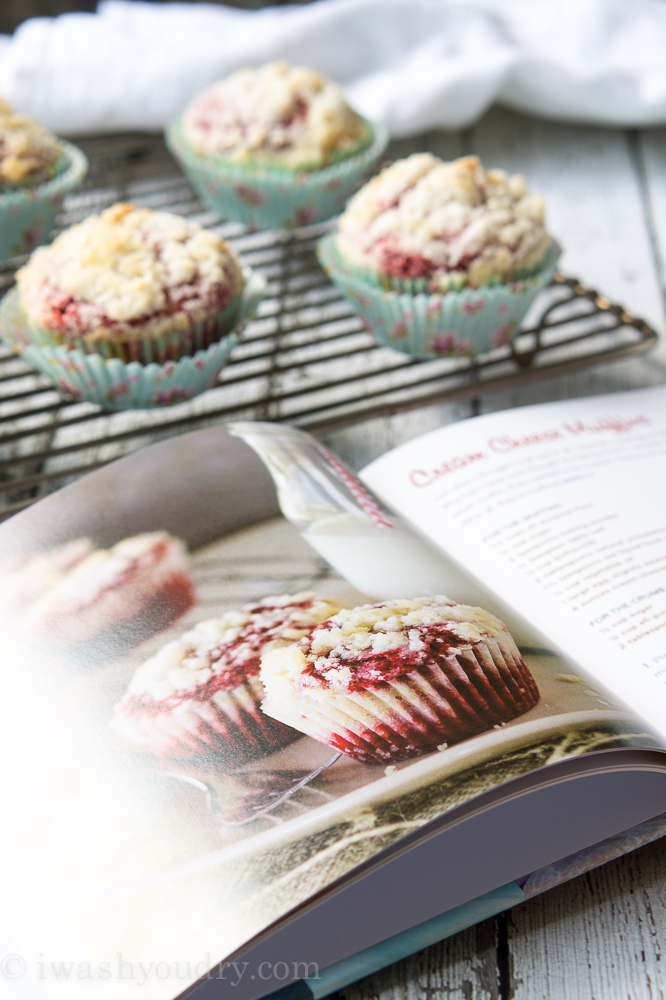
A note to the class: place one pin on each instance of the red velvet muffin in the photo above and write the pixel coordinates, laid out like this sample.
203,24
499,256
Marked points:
445,225
29,153
277,115
202,692
77,594
395,680
134,284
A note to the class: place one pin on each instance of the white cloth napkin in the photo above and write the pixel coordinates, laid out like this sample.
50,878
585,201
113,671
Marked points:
412,64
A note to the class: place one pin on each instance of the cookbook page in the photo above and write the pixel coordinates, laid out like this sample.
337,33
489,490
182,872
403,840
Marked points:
156,818
559,508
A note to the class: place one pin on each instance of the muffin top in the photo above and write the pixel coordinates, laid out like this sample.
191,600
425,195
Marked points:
128,272
28,151
450,224
287,116
222,652
363,647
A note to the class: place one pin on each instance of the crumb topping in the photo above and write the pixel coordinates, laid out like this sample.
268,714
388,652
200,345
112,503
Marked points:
222,652
28,151
451,224
129,271
366,646
288,115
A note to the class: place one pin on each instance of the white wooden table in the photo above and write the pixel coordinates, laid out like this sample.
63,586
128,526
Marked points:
603,936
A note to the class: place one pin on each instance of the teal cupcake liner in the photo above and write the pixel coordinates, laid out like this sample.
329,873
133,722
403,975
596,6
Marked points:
264,197
171,346
458,323
28,214
114,384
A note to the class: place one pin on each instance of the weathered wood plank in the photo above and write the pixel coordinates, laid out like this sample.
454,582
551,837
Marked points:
651,147
594,201
360,444
597,210
463,967
602,936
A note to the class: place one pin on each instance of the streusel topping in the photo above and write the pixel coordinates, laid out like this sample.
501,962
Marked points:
365,646
129,271
287,115
451,224
222,652
27,149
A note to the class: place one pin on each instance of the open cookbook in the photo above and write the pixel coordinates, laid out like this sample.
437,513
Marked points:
268,726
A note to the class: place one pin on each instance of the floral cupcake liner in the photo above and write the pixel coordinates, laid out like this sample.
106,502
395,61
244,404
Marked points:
28,214
460,322
458,696
264,197
227,725
115,384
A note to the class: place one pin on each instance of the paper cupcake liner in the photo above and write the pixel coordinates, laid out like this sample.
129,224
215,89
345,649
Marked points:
170,346
425,325
115,384
229,725
461,695
264,197
28,214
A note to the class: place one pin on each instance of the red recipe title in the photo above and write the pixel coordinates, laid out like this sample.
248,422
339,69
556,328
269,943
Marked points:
506,444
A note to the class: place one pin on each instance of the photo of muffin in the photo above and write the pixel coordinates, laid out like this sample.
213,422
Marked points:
37,170
391,681
277,146
441,258
132,307
77,594
201,693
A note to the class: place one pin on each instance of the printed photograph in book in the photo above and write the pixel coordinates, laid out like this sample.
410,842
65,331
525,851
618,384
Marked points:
210,725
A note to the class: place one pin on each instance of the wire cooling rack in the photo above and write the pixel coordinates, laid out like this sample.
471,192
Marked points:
306,359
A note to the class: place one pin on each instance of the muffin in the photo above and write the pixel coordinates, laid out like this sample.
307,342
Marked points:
131,309
201,693
398,679
275,146
132,283
442,258
78,595
277,115
37,170
28,151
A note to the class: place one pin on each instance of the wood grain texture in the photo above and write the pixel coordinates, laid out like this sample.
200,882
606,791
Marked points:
602,936
594,200
651,158
598,207
463,967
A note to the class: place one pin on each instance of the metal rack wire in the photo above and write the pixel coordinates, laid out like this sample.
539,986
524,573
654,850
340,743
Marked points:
306,359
